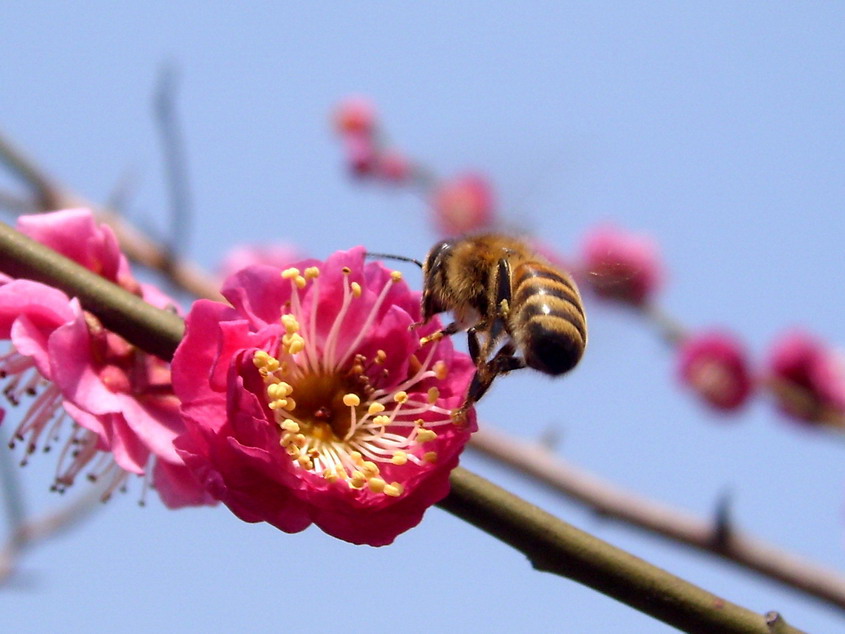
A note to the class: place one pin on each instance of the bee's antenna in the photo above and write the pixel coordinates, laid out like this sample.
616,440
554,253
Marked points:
389,256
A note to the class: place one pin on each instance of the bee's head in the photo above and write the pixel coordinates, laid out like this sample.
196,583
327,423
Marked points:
435,279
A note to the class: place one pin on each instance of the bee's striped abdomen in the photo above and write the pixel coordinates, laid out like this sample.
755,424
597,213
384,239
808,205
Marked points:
546,317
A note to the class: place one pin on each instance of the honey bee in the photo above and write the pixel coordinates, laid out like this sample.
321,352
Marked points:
501,291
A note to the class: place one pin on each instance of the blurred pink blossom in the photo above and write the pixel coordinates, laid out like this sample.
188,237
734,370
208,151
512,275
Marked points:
464,204
309,400
356,116
715,365
620,265
808,378
123,411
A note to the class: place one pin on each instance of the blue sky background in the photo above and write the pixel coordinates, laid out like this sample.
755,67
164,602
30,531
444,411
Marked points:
717,128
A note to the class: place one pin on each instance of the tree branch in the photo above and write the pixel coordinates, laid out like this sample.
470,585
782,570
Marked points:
536,461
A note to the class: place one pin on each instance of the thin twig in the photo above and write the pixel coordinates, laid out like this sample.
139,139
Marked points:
51,195
30,532
173,149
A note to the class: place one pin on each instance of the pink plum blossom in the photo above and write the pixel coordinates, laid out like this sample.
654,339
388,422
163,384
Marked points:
464,204
715,365
807,378
122,410
311,400
620,265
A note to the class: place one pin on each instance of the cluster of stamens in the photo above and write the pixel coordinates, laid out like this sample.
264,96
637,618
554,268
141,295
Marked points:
45,423
335,419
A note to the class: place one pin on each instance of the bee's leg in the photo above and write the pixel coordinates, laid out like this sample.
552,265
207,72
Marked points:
449,330
502,363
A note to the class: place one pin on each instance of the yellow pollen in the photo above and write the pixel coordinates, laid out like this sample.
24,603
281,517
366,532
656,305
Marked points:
375,408
292,450
394,490
290,273
399,458
377,485
414,364
265,362
278,390
400,397
433,395
311,272
296,344
299,281
382,420
419,422
290,323
289,405
290,425
430,457
356,289
356,457
425,435
381,355
440,370
396,276
435,336
346,270
330,475
351,400
358,480
370,469
279,403
286,440
305,462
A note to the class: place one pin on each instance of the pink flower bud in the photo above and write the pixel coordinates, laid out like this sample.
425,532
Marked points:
355,115
715,365
463,205
808,379
621,266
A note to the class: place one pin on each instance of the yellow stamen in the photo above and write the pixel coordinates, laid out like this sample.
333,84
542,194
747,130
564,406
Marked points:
289,405
433,395
400,397
430,457
346,270
394,490
290,323
440,370
290,273
311,272
382,420
396,276
375,408
370,469
425,435
356,289
377,485
351,400
399,458
381,355
290,425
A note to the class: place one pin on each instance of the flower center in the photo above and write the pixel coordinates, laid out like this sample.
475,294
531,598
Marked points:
320,406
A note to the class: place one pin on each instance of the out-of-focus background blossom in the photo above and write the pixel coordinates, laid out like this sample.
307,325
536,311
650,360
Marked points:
715,130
